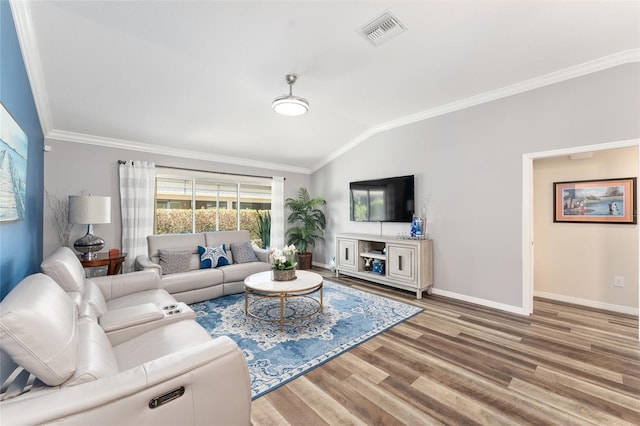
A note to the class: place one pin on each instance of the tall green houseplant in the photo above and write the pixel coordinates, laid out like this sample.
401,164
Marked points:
309,223
263,222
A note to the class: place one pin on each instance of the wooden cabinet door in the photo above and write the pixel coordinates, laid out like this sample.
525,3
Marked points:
401,262
347,255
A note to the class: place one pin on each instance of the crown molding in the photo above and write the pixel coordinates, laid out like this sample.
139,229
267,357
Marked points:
21,12
620,58
163,150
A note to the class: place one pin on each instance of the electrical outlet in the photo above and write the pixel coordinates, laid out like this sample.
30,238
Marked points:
618,281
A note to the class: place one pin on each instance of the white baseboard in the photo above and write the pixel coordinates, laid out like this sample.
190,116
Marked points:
321,265
483,302
477,301
519,310
589,303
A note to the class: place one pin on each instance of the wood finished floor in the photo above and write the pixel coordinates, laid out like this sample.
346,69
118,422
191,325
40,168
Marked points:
458,363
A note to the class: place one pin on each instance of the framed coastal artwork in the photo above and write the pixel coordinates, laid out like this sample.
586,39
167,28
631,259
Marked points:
595,201
13,168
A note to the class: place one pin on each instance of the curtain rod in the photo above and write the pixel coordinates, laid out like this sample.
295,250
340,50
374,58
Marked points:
207,171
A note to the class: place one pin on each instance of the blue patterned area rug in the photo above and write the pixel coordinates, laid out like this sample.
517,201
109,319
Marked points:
349,317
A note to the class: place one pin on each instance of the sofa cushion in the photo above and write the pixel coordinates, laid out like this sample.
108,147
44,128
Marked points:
93,296
188,242
212,257
263,254
159,342
240,271
156,296
229,254
86,310
173,261
95,354
226,237
76,297
243,252
39,330
192,280
65,269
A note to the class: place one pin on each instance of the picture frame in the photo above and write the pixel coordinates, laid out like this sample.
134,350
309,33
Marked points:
611,201
14,148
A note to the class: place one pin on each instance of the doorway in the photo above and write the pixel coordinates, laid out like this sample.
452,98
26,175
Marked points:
528,210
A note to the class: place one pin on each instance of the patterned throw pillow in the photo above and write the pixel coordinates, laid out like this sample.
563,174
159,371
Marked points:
212,257
243,253
174,261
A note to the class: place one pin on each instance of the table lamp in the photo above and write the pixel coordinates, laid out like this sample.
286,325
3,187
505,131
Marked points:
89,210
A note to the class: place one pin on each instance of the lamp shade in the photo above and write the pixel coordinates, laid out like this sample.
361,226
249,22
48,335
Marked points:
89,209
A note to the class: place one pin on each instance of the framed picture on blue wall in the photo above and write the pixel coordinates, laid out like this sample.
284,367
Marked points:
14,146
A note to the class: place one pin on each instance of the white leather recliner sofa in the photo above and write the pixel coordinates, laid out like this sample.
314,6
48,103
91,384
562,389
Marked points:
103,293
59,366
124,305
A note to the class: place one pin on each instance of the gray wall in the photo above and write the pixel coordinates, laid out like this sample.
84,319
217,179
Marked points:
71,168
468,168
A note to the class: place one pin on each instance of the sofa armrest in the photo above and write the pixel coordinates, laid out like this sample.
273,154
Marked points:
130,316
143,263
262,254
214,375
221,385
113,286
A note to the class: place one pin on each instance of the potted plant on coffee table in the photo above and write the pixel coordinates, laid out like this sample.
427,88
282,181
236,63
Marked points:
283,263
309,223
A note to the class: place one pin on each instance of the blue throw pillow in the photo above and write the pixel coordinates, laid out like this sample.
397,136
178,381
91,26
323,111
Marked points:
212,257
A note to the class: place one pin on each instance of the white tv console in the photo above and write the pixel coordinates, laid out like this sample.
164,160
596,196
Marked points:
408,264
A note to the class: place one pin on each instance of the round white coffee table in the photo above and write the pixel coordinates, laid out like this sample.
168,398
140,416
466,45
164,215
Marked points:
260,286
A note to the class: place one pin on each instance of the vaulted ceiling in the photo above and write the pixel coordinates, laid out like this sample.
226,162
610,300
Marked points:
196,78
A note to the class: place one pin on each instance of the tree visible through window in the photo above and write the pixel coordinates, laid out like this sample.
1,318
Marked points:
216,198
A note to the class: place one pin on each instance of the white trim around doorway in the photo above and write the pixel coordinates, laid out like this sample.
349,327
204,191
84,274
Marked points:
527,209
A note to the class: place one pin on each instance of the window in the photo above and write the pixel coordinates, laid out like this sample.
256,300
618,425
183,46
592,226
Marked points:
216,198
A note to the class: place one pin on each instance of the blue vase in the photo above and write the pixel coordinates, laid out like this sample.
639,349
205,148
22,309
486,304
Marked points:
378,267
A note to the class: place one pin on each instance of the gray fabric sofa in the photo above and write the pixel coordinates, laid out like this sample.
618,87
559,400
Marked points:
192,284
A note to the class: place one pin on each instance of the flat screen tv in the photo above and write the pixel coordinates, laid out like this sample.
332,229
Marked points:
382,200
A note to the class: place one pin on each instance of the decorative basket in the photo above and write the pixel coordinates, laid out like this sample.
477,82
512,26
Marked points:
283,274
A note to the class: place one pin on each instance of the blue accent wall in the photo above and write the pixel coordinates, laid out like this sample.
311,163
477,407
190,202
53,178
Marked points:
20,241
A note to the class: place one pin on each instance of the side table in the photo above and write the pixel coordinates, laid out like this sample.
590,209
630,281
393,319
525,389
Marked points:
114,262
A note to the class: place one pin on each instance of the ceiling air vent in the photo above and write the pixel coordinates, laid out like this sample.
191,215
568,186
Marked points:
382,28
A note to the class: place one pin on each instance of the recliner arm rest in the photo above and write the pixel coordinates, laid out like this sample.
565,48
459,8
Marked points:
130,316
262,254
214,374
143,263
113,286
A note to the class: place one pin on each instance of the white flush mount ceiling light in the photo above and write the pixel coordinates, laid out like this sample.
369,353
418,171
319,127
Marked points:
288,104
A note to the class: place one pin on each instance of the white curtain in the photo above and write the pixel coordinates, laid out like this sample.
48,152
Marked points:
277,212
137,193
